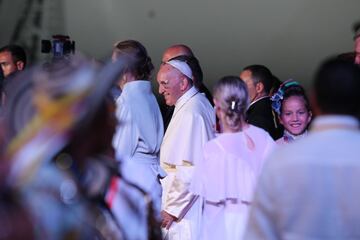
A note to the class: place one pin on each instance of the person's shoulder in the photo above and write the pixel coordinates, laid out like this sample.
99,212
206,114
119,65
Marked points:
200,98
260,137
260,109
280,141
265,101
292,153
199,104
346,56
193,114
212,145
254,130
122,105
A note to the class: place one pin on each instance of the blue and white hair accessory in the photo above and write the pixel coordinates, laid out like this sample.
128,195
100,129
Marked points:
279,95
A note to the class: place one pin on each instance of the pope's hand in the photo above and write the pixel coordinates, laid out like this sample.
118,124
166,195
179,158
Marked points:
167,219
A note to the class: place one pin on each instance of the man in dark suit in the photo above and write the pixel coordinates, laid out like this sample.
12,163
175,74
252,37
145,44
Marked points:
354,56
12,60
259,81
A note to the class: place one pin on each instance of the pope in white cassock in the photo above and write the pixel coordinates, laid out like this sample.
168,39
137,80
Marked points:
191,126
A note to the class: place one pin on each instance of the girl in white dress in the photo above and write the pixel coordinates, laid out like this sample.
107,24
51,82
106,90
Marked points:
226,178
292,106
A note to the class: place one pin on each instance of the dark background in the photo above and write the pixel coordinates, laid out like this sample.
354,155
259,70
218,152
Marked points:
291,37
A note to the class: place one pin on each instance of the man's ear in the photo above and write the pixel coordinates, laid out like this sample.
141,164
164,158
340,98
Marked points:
259,87
215,101
124,78
184,84
316,110
310,116
20,65
280,120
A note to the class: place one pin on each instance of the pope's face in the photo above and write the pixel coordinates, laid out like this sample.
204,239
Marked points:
169,80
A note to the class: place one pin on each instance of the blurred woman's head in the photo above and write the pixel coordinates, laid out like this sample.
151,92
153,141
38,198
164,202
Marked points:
231,100
140,67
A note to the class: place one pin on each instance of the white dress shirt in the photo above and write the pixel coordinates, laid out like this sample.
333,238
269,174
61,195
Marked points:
138,137
309,189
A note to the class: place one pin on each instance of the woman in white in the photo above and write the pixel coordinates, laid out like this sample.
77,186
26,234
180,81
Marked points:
227,176
140,129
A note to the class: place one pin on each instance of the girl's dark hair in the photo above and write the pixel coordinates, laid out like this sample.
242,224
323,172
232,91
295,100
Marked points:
232,96
141,66
288,89
296,90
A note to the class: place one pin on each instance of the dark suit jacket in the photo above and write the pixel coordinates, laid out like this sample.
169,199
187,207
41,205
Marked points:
261,115
349,57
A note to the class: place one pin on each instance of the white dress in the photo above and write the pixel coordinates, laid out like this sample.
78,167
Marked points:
226,179
138,138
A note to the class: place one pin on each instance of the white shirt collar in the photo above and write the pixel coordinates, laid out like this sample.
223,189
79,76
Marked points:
135,87
185,97
289,137
256,100
325,122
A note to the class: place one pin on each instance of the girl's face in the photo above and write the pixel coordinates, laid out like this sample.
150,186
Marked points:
294,116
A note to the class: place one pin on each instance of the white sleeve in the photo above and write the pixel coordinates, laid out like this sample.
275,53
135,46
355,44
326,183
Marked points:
126,137
262,222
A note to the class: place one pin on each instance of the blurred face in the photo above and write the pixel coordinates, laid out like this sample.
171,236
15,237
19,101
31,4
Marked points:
170,84
246,76
8,65
294,116
357,45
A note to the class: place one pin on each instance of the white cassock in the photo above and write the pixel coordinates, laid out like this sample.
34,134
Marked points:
191,126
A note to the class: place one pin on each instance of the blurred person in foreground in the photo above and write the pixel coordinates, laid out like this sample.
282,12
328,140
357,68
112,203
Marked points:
59,124
226,178
308,189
